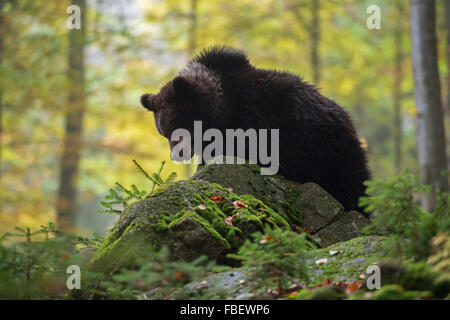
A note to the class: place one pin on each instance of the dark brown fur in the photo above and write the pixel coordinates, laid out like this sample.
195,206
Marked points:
318,142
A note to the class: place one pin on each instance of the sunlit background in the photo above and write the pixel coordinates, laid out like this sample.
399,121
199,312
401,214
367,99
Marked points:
133,47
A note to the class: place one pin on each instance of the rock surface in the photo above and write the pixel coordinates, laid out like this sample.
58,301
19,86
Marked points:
348,262
214,212
306,205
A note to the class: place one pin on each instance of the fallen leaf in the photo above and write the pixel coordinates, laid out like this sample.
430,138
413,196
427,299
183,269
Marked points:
65,256
321,261
294,286
202,284
239,204
307,231
179,275
216,199
327,282
229,221
265,239
352,287
368,295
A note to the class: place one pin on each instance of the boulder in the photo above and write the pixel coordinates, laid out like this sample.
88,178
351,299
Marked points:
345,262
304,205
216,210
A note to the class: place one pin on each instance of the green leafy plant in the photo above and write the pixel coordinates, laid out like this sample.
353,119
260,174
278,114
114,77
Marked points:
33,264
275,259
155,276
120,197
398,215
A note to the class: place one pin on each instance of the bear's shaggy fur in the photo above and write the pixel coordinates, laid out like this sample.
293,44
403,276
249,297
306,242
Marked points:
318,142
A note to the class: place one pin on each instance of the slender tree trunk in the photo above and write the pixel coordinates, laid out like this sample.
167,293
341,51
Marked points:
427,94
192,46
315,39
447,100
2,28
66,204
2,54
397,92
193,29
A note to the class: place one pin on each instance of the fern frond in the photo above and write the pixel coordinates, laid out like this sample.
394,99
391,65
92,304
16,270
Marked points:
172,177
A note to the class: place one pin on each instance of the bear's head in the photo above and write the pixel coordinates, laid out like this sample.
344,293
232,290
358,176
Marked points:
197,93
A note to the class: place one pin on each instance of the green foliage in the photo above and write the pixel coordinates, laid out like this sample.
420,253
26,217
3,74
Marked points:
119,197
353,71
155,276
418,276
417,280
396,292
398,215
35,268
34,265
274,259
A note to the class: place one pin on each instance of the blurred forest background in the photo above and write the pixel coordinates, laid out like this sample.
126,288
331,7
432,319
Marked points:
71,120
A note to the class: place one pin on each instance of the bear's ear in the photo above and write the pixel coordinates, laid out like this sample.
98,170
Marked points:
147,101
194,90
183,88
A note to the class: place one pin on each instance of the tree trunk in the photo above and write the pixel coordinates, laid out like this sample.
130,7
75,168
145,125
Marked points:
2,35
193,29
447,100
315,38
66,203
397,92
3,32
191,50
427,94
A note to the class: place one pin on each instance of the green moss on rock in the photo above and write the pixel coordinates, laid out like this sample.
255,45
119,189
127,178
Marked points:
349,260
397,292
183,217
321,293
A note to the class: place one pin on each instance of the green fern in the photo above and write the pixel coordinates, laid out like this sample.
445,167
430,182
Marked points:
119,197
172,177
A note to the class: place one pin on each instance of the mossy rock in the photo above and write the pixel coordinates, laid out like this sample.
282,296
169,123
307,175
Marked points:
183,217
305,205
415,280
198,216
215,211
322,293
351,260
397,292
345,261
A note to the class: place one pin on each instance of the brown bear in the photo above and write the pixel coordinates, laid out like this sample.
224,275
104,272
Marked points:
317,139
